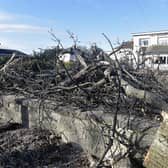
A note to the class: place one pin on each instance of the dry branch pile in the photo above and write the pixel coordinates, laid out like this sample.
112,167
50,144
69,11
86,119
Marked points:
94,81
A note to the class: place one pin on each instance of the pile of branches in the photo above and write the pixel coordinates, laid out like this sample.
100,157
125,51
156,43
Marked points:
92,81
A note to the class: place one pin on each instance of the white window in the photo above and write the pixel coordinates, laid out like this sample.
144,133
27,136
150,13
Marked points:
163,41
144,42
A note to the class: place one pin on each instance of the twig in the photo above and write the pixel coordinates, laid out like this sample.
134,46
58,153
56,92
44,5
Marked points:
3,69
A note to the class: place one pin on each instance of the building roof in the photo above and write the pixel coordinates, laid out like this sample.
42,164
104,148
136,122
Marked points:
150,33
9,52
157,49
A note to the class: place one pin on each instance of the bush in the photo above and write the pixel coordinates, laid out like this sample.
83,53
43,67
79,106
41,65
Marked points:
3,60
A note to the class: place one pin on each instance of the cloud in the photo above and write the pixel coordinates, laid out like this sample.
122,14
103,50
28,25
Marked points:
31,30
9,23
6,16
21,28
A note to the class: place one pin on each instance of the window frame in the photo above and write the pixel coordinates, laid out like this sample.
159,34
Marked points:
161,60
162,40
142,40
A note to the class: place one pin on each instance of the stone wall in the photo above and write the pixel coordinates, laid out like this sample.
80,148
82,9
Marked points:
84,128
9,110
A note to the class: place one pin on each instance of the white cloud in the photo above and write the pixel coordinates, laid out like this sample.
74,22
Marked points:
6,16
27,28
9,23
21,28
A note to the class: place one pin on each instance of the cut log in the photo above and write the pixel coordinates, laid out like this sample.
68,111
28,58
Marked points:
155,100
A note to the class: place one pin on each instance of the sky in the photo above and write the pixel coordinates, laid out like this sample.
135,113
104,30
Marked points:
25,24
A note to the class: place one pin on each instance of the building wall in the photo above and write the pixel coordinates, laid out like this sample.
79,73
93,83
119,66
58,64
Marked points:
125,55
68,57
153,40
150,63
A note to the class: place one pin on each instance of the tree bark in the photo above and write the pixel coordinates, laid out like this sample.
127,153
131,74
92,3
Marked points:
149,97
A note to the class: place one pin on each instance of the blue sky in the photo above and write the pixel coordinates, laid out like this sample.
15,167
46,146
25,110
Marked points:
24,24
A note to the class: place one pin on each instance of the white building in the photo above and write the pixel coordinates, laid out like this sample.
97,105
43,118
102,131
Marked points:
67,57
147,39
125,54
152,49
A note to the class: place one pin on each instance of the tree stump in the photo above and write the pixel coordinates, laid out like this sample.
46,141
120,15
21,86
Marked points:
157,156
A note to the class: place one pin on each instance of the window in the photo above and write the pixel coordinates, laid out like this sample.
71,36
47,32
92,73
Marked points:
160,60
163,41
144,42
